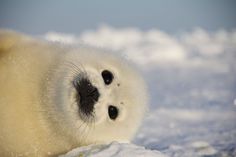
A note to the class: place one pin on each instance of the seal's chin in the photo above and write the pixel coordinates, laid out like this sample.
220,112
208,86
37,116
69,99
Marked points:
86,97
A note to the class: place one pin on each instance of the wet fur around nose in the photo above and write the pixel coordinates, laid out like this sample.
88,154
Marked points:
87,95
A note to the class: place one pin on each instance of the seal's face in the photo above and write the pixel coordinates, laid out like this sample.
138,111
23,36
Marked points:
88,95
105,99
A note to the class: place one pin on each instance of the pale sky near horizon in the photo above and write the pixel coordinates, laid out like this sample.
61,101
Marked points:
75,16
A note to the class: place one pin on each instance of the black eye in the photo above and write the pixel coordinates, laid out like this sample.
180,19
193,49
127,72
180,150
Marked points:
107,77
113,112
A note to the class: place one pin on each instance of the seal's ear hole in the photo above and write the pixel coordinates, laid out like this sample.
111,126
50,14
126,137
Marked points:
113,112
107,77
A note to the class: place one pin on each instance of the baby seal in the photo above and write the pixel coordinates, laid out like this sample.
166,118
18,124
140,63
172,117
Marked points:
56,97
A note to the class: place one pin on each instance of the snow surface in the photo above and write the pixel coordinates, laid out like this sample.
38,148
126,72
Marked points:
114,149
192,83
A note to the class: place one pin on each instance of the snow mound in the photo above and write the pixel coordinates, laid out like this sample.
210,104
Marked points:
113,149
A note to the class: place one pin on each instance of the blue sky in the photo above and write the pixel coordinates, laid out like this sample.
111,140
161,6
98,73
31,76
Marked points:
75,16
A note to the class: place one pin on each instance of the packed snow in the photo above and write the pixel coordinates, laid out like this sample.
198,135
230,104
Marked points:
192,82
114,149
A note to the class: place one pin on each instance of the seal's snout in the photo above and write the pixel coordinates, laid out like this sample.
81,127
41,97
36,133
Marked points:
87,95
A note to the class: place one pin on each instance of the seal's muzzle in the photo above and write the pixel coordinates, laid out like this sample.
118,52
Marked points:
87,95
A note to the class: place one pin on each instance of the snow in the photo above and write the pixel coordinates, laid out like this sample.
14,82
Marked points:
114,149
192,82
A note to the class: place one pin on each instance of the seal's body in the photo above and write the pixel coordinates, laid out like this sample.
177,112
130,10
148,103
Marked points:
54,97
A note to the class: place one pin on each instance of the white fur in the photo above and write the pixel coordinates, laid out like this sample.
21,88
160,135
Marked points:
38,111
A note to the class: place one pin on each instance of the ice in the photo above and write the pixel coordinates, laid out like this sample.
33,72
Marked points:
192,82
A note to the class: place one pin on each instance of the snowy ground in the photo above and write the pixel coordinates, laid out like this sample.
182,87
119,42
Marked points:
192,83
114,149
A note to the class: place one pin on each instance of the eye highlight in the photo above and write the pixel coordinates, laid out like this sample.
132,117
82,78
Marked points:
113,112
107,77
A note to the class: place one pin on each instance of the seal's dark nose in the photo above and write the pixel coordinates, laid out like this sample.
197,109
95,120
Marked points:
87,96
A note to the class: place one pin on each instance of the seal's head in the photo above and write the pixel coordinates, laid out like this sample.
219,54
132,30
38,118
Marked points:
101,97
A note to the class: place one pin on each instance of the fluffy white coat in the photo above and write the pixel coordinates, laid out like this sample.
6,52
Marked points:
38,112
